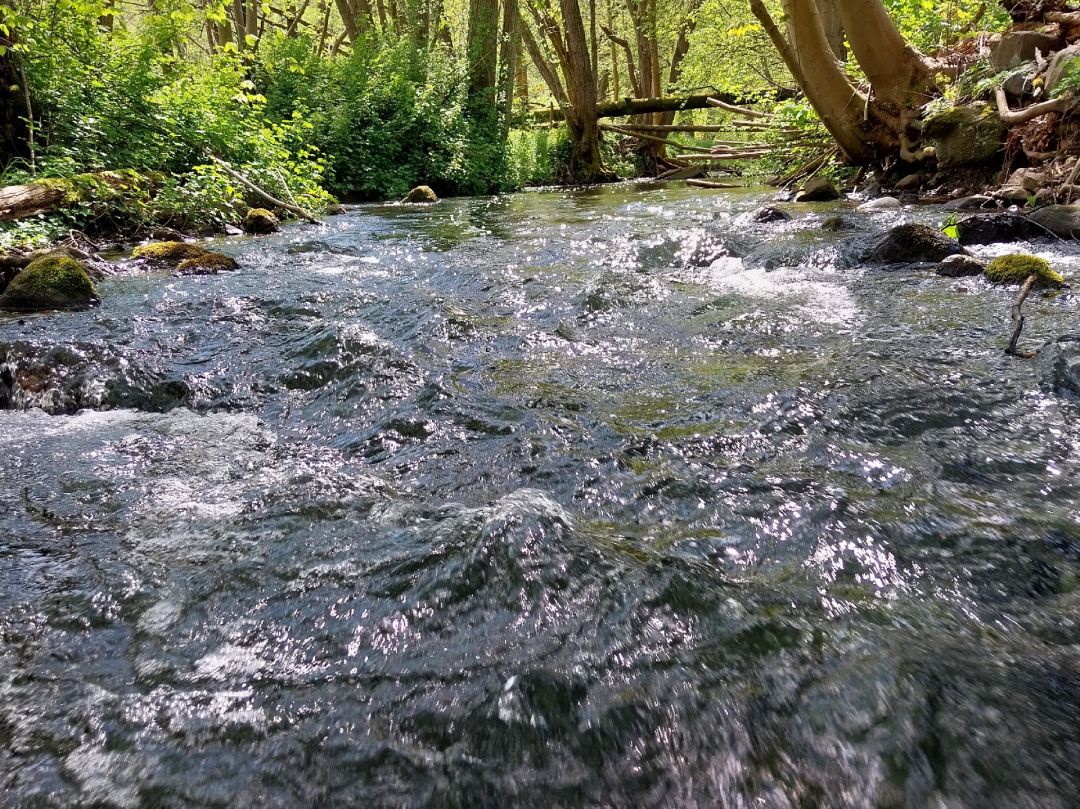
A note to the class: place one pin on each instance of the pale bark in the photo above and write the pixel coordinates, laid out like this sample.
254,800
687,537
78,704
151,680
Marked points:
807,54
898,73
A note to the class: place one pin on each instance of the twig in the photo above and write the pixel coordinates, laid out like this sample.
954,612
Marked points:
1018,318
652,138
716,102
240,178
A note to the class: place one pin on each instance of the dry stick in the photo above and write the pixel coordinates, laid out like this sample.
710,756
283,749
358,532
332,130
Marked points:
1018,318
240,178
641,136
711,184
716,102
725,156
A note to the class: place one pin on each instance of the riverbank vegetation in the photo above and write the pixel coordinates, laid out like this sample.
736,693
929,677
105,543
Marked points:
130,115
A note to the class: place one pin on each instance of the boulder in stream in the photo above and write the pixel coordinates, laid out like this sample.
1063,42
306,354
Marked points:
817,189
909,243
959,266
1000,227
168,252
765,215
1015,268
880,204
422,193
51,282
1062,221
260,221
1062,361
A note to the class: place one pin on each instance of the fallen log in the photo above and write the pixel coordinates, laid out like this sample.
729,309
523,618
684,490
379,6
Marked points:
749,113
640,106
51,195
725,156
711,184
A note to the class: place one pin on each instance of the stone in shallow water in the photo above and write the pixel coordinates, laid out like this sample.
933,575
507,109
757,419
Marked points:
911,242
422,193
765,215
817,189
1061,361
1060,220
51,282
992,228
880,204
959,266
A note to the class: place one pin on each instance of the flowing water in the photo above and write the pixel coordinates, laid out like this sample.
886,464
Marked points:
591,499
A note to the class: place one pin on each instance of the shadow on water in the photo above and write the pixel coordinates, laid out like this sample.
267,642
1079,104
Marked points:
602,498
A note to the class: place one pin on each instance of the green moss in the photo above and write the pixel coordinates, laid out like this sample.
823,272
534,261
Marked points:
1013,269
168,252
207,264
51,282
260,220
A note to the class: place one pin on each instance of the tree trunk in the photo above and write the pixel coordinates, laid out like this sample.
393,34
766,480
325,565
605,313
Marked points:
813,65
899,75
586,165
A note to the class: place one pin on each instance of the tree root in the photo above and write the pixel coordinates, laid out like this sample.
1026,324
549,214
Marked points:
1028,113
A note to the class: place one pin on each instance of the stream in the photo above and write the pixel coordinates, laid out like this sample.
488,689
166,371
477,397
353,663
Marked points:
605,498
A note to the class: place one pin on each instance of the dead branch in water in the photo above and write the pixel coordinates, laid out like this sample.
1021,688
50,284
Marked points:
1018,318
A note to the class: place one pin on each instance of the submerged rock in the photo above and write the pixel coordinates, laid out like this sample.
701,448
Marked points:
959,266
422,193
1063,358
817,189
1015,268
206,264
965,135
50,282
996,227
1062,221
765,215
909,243
260,221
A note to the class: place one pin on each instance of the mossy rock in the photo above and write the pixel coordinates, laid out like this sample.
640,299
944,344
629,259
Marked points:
965,135
422,193
50,282
260,221
168,252
207,264
1015,268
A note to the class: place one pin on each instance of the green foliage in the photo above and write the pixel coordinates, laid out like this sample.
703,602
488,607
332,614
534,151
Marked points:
1069,81
949,227
932,24
1015,268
